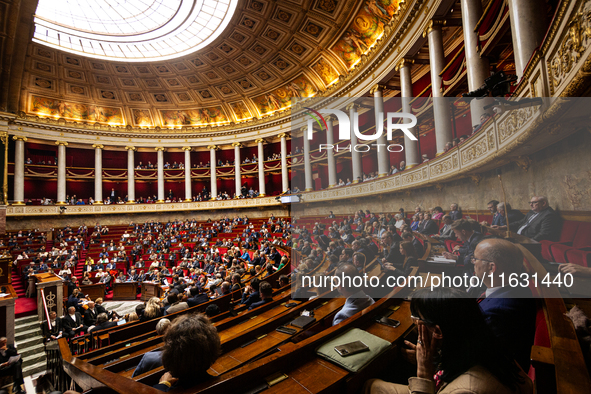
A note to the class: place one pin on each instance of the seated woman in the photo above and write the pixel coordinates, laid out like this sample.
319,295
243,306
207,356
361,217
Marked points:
456,351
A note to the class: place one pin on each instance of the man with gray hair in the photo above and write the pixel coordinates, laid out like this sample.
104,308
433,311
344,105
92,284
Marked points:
152,359
541,223
356,300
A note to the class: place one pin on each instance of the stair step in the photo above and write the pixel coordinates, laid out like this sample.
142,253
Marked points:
28,342
26,319
24,326
34,359
31,332
35,368
37,348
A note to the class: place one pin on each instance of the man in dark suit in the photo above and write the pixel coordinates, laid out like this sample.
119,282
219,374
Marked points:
464,231
492,207
514,216
153,359
251,293
196,297
428,226
90,315
56,330
445,232
113,196
102,322
14,369
73,323
455,212
391,252
275,256
541,223
266,294
510,311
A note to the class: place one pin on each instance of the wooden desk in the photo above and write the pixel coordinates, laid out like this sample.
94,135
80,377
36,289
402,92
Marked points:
7,313
124,291
5,270
94,291
150,290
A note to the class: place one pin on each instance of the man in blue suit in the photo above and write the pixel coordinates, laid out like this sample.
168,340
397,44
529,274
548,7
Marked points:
152,359
509,311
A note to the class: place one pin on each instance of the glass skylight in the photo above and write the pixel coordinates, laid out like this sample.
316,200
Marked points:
131,30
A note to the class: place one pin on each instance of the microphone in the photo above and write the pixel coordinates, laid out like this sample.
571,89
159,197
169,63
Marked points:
508,234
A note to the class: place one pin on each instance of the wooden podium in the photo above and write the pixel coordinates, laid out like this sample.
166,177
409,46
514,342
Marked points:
150,290
93,291
53,289
8,301
124,291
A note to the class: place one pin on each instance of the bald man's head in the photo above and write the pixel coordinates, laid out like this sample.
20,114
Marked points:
506,256
347,270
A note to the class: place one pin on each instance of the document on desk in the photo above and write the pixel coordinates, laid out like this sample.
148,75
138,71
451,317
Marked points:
440,260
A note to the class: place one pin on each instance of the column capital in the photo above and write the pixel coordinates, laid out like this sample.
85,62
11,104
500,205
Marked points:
259,141
159,148
404,62
189,148
352,106
19,137
133,148
282,135
304,129
212,147
329,118
376,87
434,24
64,143
236,144
98,146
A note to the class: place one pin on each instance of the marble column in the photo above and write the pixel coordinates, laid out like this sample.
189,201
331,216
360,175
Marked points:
261,165
19,170
332,164
308,181
528,28
98,173
284,168
382,142
356,165
212,169
441,112
61,172
188,193
237,174
131,174
411,147
161,194
478,68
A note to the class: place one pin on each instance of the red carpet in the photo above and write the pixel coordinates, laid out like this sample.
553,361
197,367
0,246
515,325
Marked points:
25,307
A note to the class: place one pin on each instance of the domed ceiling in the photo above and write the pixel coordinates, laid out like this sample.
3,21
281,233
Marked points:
268,52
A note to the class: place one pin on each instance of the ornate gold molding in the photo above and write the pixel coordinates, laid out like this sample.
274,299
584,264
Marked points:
64,143
132,148
187,148
377,88
159,148
434,24
259,141
212,147
98,146
236,144
404,62
19,137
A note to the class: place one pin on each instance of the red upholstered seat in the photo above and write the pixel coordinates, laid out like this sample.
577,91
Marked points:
579,256
541,338
449,244
582,240
567,235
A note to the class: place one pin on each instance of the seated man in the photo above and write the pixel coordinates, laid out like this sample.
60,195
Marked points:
175,304
509,311
428,226
90,314
56,331
152,359
13,369
464,230
357,300
191,346
541,223
266,294
73,323
102,322
514,216
445,232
